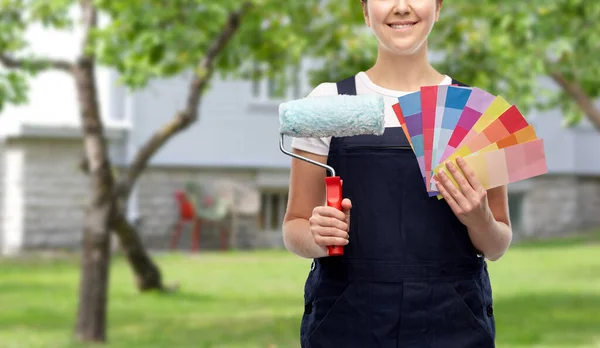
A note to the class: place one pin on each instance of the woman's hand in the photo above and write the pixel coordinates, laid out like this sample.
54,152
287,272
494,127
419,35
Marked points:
468,202
330,226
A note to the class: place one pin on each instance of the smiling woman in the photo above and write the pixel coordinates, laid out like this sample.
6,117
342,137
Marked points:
413,273
409,32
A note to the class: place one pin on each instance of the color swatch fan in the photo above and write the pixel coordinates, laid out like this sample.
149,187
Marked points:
445,122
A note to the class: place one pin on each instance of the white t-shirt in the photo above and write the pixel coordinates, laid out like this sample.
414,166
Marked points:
364,85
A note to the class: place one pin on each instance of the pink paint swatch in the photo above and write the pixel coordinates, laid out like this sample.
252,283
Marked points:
511,164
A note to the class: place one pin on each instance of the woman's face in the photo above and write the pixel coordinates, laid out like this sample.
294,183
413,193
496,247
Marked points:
401,26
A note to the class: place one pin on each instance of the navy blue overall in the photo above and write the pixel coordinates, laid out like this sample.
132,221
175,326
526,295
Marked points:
410,276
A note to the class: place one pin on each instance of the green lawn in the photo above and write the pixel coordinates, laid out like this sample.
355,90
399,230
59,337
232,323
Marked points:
546,295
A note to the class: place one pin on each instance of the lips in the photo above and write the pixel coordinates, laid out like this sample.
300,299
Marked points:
401,25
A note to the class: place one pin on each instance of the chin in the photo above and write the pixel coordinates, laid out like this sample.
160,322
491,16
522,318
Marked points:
405,49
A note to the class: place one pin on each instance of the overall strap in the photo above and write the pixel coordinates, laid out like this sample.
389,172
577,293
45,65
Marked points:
347,86
458,83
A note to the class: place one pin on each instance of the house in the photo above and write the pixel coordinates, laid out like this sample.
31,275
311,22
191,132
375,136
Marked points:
234,143
567,199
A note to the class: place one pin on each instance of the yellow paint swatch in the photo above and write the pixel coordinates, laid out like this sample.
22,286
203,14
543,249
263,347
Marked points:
477,163
479,166
497,108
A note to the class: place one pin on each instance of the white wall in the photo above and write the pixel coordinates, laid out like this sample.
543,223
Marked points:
233,129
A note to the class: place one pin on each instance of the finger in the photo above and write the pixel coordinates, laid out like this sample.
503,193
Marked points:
324,221
447,196
329,232
346,204
329,212
327,241
452,190
464,185
469,174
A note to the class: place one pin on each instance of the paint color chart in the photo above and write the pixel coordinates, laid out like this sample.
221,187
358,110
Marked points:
443,123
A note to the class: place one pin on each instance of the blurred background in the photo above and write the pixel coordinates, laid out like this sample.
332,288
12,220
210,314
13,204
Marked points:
143,189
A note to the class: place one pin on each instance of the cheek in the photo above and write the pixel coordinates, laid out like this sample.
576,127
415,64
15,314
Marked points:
426,11
378,14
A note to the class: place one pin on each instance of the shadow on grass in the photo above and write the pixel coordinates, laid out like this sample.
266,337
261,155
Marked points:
566,319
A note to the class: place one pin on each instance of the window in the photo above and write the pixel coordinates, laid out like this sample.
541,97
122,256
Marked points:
272,210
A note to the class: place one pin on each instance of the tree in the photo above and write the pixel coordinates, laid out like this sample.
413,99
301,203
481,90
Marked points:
146,40
507,46
510,48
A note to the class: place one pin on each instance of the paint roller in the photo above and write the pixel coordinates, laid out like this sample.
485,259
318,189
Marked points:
331,116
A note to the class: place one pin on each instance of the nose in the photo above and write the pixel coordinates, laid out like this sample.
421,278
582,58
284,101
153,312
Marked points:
401,6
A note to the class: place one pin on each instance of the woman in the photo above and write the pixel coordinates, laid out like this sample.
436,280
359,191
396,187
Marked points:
413,273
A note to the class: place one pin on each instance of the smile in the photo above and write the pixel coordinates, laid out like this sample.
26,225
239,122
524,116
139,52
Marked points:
402,26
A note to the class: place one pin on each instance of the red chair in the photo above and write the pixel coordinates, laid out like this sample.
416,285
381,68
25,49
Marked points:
187,213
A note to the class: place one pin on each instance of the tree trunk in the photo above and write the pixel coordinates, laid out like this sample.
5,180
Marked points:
95,256
147,274
95,261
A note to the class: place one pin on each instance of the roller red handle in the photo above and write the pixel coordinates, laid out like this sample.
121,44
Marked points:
333,185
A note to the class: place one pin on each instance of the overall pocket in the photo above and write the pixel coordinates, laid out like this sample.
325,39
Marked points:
336,322
321,295
472,309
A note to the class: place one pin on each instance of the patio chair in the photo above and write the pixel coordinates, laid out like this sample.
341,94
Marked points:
186,214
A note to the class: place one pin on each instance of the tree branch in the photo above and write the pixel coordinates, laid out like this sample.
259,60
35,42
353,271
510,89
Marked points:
574,90
37,64
206,68
186,117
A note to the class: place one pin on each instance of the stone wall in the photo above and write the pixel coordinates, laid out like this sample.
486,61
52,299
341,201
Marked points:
555,205
44,192
589,202
54,192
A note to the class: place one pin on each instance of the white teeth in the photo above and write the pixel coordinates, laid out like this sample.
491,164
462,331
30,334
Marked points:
397,26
